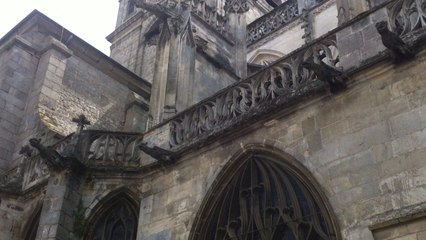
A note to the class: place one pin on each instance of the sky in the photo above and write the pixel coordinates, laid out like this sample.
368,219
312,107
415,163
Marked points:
91,20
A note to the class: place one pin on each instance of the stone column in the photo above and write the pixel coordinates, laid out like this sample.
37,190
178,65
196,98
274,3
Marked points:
59,206
348,9
237,25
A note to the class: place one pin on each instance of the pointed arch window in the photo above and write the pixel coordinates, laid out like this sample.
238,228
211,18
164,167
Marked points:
264,199
115,219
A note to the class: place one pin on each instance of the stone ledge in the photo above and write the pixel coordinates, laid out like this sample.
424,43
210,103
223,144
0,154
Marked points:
390,218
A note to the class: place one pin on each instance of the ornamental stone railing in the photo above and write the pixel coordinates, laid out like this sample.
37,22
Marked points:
280,83
406,16
110,149
274,20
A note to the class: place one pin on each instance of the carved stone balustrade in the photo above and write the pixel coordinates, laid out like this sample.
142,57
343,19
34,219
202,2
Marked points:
276,19
272,21
281,83
111,149
406,16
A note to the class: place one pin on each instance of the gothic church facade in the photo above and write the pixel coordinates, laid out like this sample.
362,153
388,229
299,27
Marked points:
218,119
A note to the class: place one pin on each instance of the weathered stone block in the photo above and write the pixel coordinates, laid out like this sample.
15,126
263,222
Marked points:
405,123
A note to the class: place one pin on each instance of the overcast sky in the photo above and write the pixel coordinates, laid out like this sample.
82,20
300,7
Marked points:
91,20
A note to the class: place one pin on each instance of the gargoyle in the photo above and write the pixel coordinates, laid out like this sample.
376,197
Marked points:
335,78
162,155
399,50
53,159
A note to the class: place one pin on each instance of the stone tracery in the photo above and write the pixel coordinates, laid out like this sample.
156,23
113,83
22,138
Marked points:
264,198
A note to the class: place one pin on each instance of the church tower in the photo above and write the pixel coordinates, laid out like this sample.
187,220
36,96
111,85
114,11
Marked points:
187,50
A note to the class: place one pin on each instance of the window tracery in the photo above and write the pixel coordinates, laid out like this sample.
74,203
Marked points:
265,200
116,219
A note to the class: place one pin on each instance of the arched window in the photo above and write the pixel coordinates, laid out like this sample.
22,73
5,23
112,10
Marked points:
266,199
115,218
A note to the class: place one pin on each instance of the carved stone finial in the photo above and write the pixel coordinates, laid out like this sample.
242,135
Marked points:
162,155
236,6
399,50
335,78
26,151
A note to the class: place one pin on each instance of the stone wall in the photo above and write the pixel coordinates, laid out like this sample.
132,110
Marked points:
45,83
18,66
84,89
365,147
125,50
360,41
209,79
413,229
126,41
